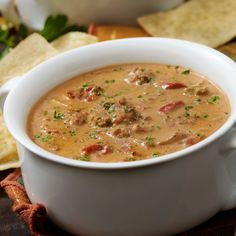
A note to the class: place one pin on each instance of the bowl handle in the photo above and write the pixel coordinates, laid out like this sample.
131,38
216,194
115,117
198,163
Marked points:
6,88
228,145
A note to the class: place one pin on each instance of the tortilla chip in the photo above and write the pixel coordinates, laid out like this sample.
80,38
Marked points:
27,54
108,32
73,40
8,152
210,22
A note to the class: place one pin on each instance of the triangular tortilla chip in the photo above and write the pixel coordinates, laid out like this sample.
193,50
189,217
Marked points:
27,54
210,22
73,40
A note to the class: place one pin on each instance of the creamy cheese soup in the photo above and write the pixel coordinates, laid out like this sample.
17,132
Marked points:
127,113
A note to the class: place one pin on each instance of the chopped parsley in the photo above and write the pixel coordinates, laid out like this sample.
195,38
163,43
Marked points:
93,135
204,116
112,81
72,132
150,141
131,159
213,100
139,96
98,91
198,100
155,155
45,138
186,72
42,138
187,109
108,105
58,115
84,157
85,85
37,135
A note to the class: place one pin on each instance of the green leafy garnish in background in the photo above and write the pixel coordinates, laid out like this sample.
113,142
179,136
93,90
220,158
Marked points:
7,41
56,26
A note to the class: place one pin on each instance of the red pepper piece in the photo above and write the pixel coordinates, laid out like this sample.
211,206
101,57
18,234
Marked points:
171,106
173,86
194,139
103,149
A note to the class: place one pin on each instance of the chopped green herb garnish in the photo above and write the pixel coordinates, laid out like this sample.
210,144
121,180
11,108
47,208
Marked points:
85,85
198,100
112,81
131,159
100,142
37,135
150,141
205,116
187,109
155,154
186,72
45,138
84,157
177,67
58,115
98,91
93,135
139,96
72,132
213,100
108,105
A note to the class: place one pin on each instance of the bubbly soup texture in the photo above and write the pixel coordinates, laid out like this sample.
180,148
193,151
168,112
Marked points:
128,112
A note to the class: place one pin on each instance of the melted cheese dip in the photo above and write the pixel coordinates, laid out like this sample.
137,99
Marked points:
128,112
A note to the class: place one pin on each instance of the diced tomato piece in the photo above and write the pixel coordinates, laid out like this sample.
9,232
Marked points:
193,140
171,106
103,149
173,86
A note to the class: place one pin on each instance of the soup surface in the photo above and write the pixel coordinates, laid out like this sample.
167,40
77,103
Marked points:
128,112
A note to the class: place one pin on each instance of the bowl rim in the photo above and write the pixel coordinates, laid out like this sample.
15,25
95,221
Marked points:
42,153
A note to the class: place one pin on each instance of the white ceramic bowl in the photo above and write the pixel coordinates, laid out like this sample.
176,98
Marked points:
34,12
159,196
